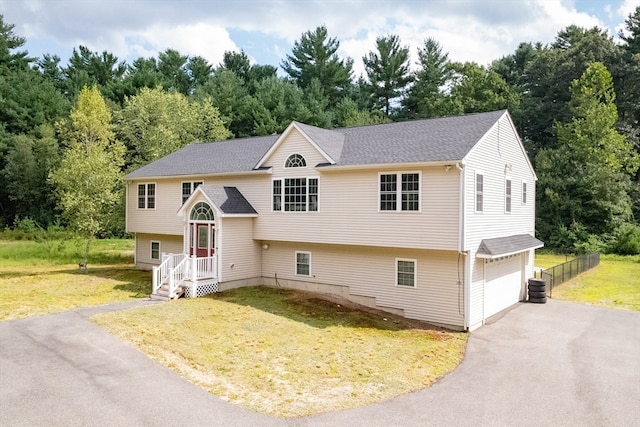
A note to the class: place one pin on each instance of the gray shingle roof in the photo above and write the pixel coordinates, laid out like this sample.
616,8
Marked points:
416,141
228,199
501,246
234,155
330,141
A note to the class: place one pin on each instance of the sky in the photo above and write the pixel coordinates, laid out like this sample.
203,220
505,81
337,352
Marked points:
266,30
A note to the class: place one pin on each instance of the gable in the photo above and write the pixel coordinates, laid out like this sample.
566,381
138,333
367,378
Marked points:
501,145
293,142
224,200
298,136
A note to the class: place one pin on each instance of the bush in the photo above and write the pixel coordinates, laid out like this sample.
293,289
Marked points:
627,240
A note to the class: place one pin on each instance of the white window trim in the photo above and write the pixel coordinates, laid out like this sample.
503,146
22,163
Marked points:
524,192
510,198
191,183
295,267
415,272
151,249
475,191
284,165
282,194
399,191
146,195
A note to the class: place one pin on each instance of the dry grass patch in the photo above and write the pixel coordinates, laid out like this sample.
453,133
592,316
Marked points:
42,277
287,353
38,290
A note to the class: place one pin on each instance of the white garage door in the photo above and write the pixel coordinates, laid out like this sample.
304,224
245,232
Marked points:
503,284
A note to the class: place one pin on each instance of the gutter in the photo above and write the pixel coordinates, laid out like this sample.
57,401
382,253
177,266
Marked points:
466,280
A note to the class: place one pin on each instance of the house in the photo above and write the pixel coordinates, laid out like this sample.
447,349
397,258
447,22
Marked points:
431,219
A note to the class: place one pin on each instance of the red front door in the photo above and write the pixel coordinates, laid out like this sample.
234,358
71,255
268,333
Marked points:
203,240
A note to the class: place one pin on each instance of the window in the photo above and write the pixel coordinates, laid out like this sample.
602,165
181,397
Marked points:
408,192
155,250
524,192
146,196
188,188
201,212
406,272
479,192
507,195
277,195
299,194
295,161
303,263
388,189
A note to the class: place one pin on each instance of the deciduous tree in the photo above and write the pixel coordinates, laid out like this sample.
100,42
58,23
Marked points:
88,180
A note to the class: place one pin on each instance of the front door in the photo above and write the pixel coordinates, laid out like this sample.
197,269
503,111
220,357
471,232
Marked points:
203,240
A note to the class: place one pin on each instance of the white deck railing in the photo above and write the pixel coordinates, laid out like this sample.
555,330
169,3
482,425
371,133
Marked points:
161,272
176,268
202,268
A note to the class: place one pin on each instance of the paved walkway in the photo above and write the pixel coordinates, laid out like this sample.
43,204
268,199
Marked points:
557,364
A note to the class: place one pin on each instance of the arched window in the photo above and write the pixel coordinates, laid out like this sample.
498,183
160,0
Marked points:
201,212
295,161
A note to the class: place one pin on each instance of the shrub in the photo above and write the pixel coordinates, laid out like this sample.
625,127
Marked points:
627,240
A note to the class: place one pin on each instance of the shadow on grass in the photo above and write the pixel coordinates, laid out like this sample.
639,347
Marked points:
319,311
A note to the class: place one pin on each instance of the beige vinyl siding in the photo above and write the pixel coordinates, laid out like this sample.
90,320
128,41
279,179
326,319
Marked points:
168,244
240,255
295,143
370,272
162,219
349,213
498,155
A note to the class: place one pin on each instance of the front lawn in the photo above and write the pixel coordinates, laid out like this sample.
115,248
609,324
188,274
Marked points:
287,353
40,278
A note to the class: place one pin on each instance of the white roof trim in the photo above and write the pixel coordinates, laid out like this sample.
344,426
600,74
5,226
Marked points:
186,206
282,137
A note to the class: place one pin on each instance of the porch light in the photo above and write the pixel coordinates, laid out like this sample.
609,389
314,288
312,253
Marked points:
265,246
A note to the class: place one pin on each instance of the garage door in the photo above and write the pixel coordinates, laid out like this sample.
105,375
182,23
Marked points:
503,284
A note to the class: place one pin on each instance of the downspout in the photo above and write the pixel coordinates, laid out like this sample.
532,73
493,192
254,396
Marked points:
466,280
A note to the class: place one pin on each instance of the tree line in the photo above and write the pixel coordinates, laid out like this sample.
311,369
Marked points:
574,103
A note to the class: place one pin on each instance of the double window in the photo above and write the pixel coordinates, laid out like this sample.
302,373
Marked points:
295,194
146,196
400,191
188,188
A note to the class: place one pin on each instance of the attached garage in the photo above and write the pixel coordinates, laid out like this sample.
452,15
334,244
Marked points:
504,283
505,270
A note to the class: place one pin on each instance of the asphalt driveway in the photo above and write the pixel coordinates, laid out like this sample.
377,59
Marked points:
553,364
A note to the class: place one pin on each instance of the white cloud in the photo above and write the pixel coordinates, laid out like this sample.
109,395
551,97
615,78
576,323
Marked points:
206,40
469,30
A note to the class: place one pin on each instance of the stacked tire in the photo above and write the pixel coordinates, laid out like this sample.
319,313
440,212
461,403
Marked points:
537,291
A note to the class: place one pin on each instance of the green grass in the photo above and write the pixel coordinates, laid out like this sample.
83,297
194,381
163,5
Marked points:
40,278
547,260
68,251
287,353
615,283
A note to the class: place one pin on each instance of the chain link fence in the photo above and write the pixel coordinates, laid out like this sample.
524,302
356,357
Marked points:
564,272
